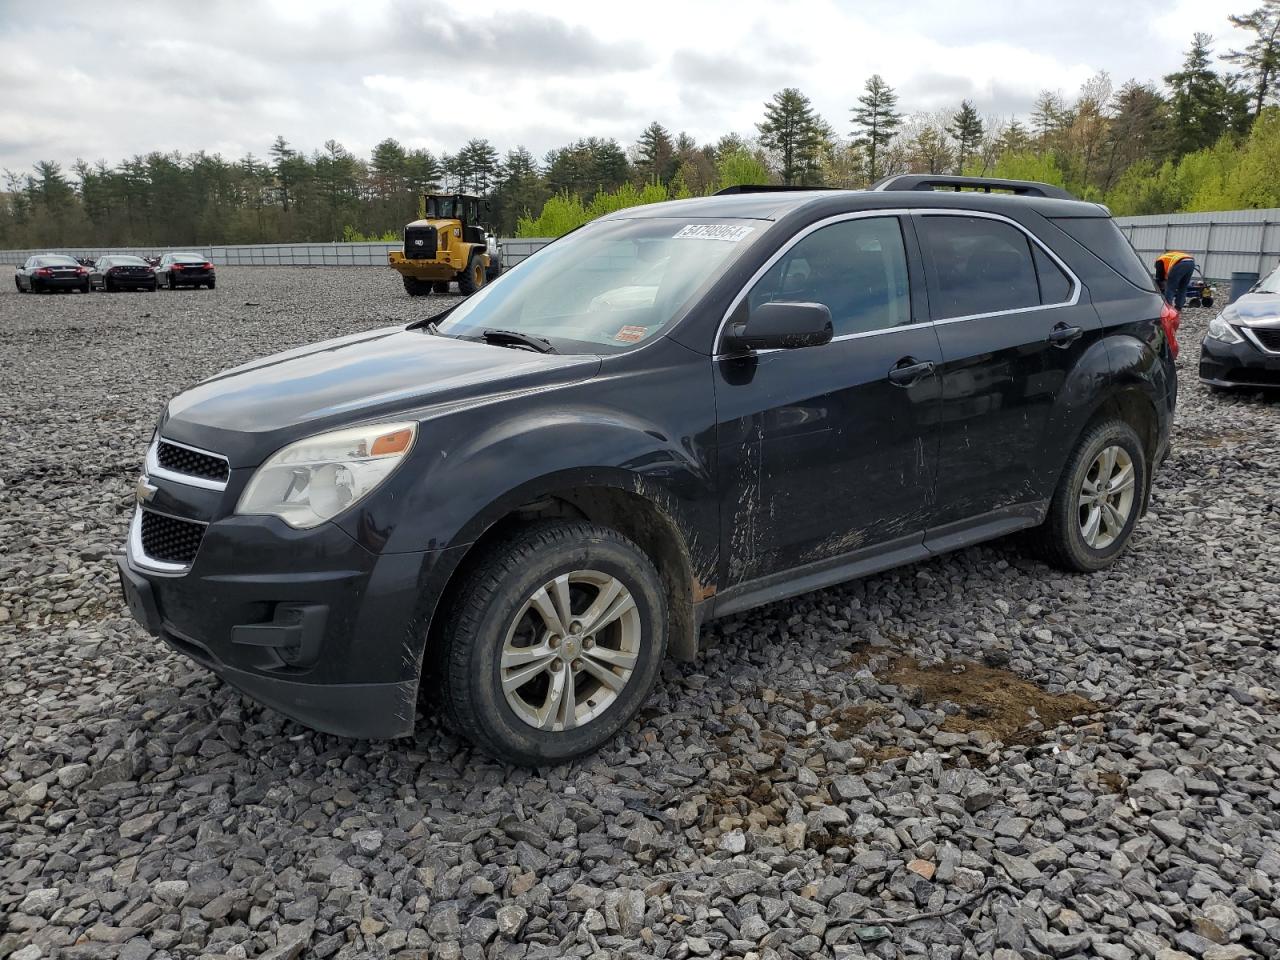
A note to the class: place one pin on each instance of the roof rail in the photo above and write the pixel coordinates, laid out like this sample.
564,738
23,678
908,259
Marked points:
765,188
929,181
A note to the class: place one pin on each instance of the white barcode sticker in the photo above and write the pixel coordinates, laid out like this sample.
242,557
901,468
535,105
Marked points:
713,231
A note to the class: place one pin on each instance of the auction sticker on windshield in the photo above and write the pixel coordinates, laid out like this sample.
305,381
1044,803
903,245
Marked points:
713,231
631,334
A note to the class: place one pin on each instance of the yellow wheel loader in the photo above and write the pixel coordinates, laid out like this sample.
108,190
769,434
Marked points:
448,242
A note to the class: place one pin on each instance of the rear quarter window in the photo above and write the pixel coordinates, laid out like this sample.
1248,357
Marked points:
1101,237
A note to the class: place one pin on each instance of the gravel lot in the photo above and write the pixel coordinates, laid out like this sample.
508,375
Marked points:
826,771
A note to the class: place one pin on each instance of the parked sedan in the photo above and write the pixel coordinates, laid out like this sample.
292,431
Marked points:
48,271
122,273
1242,346
184,270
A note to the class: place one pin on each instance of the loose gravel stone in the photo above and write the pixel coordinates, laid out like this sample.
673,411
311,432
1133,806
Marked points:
779,798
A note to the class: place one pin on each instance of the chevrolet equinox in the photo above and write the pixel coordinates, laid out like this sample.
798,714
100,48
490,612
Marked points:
678,412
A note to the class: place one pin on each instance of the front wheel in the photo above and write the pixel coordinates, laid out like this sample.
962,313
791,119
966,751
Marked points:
1098,500
471,279
553,642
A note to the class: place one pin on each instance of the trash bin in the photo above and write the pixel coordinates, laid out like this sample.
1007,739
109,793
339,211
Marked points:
1241,283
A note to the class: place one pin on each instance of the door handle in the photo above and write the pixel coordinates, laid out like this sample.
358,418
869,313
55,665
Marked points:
1063,336
908,370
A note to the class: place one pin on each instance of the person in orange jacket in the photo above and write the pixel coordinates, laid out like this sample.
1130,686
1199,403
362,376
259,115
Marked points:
1173,275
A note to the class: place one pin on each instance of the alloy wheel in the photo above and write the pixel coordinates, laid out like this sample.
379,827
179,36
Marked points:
1106,497
570,650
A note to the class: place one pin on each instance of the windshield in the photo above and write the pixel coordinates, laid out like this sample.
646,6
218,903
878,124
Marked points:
607,287
1271,283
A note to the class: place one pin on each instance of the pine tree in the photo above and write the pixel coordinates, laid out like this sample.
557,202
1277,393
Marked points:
1046,116
1202,107
1260,60
795,133
876,122
966,129
655,153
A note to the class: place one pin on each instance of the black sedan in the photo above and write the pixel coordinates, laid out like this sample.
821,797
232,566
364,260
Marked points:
47,272
184,270
1242,346
122,273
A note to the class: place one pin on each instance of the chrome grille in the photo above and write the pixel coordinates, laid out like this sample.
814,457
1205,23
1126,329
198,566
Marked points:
193,463
169,539
1269,337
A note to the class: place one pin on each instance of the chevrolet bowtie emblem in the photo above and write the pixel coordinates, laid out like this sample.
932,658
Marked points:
144,490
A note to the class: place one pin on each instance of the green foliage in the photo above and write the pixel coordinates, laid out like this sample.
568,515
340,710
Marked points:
738,166
565,212
351,235
796,134
1025,165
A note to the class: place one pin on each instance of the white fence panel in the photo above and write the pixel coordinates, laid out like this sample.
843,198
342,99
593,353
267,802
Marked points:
279,254
1223,242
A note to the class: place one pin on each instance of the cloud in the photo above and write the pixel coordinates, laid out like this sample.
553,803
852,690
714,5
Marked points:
434,75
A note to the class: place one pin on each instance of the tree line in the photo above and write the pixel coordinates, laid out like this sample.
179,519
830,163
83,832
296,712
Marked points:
1206,137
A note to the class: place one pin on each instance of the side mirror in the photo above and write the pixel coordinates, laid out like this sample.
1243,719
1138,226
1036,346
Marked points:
778,326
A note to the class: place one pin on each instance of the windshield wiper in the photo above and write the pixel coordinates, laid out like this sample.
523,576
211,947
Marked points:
514,338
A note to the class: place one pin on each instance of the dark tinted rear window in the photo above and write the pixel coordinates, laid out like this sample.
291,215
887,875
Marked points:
1103,239
981,265
56,262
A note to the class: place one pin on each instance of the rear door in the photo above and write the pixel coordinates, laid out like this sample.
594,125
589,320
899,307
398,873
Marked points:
1012,321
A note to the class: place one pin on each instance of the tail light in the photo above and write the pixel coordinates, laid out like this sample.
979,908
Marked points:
1170,320
81,270
44,272
175,266
208,266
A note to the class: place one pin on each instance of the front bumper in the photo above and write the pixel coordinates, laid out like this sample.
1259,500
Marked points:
305,621
1238,364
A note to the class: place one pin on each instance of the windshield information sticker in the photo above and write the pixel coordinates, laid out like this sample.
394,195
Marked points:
631,334
713,231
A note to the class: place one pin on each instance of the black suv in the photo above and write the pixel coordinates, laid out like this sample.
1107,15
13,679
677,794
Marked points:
678,412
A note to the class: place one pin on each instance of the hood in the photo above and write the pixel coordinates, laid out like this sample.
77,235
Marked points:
249,412
1255,309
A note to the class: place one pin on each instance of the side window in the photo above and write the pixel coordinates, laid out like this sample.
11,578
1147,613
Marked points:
981,266
858,268
1055,286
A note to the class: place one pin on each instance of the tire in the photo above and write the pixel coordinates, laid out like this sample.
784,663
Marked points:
495,269
108,286
18,283
173,284
211,284
154,286
1064,538
473,278
1206,302
415,287
495,607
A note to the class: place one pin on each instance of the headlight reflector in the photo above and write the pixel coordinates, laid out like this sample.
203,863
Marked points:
1222,331
313,480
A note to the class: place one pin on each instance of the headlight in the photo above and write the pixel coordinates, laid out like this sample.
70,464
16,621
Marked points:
313,480
1222,331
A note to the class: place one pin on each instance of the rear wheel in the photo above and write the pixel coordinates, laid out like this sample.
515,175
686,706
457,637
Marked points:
415,287
211,283
471,279
85,287
553,642
173,284
1098,500
108,286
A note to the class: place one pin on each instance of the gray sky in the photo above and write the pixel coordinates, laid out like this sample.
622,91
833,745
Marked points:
107,80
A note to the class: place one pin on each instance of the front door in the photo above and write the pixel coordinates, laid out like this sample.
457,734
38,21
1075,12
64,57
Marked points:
1012,324
831,451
